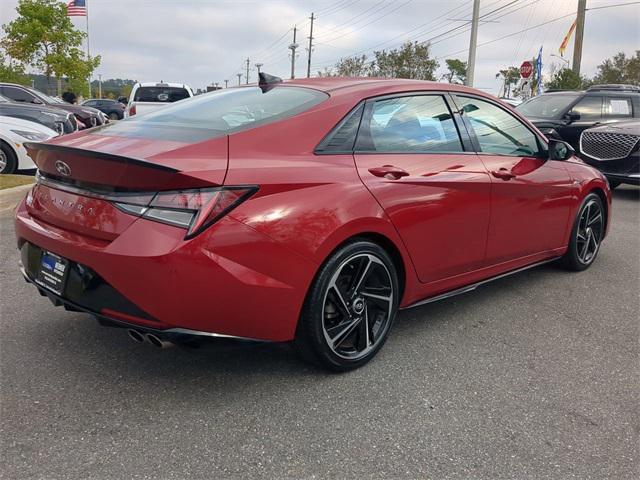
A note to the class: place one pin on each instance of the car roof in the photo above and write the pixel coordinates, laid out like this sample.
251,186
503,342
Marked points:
163,84
365,87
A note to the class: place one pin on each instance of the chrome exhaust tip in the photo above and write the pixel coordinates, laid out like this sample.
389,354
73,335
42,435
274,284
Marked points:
135,335
157,341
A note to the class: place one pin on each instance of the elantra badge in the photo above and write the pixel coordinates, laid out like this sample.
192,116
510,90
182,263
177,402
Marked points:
62,168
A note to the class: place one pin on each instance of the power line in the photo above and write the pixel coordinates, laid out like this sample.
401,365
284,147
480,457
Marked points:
611,6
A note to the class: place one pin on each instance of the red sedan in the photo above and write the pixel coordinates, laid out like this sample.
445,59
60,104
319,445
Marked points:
306,211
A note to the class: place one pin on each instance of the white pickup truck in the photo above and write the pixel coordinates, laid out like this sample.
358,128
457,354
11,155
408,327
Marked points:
150,96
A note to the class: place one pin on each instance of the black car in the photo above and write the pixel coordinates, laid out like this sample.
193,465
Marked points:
614,149
90,117
566,114
58,120
111,108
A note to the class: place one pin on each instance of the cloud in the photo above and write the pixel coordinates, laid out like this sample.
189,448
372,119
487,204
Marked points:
203,41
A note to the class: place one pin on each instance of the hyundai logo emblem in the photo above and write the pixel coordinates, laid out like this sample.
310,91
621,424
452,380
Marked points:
62,168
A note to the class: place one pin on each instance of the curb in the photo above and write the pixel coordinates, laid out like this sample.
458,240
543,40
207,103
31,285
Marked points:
10,197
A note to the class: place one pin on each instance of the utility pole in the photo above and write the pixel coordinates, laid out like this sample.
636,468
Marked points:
473,41
99,85
293,47
239,78
312,18
247,77
226,84
258,66
577,45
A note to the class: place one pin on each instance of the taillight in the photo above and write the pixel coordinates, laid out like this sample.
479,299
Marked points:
132,110
193,210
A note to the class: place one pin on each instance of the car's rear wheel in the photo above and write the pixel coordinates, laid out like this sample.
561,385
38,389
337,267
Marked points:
350,307
114,116
8,159
586,235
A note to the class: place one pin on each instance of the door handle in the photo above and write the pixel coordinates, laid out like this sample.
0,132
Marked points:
389,171
503,174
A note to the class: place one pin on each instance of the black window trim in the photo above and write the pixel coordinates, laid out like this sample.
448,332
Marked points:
320,148
542,144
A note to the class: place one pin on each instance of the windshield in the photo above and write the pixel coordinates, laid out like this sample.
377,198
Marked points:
547,106
220,112
4,99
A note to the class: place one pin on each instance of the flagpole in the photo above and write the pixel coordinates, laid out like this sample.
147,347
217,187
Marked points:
88,50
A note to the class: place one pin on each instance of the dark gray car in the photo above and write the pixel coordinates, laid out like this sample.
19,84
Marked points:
56,119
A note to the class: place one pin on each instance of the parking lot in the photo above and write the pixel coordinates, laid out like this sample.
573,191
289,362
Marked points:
533,376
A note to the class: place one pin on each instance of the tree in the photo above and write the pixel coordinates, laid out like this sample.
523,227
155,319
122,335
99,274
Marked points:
619,69
352,67
457,71
409,61
12,72
510,76
43,37
566,79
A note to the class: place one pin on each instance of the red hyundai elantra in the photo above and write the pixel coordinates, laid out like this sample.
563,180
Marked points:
306,211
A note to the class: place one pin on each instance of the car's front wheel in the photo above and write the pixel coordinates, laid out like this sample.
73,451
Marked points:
350,307
586,235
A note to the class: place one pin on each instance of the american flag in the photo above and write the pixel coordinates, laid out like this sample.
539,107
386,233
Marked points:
77,8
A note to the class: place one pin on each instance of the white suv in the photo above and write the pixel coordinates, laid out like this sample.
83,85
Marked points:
150,96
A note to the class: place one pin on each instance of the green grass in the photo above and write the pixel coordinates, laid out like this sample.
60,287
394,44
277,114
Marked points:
8,181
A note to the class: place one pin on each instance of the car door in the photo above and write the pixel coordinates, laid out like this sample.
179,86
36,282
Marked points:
531,196
416,160
588,112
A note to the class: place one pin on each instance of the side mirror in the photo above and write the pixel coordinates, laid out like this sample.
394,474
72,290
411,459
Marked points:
572,117
37,101
559,150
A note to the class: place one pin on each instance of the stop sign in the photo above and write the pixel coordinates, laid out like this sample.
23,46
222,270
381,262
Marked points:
526,69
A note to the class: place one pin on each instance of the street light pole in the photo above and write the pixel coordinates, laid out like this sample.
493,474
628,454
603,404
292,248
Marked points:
471,62
99,85
239,78
258,66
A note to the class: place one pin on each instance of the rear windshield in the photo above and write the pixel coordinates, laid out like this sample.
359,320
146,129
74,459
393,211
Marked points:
160,94
219,112
547,106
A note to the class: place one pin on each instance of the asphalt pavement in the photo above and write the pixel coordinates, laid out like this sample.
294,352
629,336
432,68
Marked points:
534,376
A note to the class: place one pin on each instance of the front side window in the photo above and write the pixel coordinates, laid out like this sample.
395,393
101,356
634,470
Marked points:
17,94
421,123
589,108
498,131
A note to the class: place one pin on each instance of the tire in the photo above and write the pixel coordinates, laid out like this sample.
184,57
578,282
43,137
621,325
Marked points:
586,235
114,116
342,326
8,159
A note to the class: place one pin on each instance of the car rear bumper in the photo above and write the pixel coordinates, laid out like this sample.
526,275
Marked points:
228,281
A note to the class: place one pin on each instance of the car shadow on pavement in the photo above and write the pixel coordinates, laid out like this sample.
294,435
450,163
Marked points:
627,192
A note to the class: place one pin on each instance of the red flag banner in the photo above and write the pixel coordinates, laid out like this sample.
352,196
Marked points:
565,41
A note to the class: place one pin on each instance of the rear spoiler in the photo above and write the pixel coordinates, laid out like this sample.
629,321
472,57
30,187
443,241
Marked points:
114,172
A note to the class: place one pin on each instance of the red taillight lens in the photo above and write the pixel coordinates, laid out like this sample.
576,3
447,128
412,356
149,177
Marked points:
193,209
132,110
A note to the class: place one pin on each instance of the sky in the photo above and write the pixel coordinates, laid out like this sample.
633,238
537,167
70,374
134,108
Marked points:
200,42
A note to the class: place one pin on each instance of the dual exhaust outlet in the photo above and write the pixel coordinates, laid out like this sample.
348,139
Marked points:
140,337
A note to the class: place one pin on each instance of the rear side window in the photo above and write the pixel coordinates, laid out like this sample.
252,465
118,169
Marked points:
416,124
220,112
617,107
498,132
160,94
